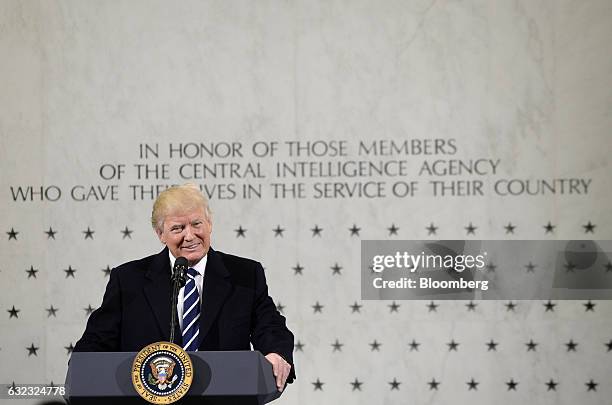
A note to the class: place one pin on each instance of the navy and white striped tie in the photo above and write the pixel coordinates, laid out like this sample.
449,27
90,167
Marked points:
191,313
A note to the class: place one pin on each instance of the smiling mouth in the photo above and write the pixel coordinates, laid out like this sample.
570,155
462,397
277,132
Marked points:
190,247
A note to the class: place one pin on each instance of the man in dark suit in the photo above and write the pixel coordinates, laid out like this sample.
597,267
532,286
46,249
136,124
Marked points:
224,305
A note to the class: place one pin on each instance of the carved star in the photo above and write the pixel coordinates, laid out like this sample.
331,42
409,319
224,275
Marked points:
89,233
107,271
50,233
337,346
32,350
297,269
432,307
394,307
549,228
591,385
510,306
452,345
608,267
299,346
13,313
354,230
336,269
127,233
317,307
51,311
433,384
530,267
375,346
571,346
531,345
12,234
589,306
470,229
471,306
278,231
491,267
31,272
88,310
394,384
589,227
609,345
552,385
414,345
280,307
492,345
318,385
69,348
509,228
472,385
355,307
550,306
316,231
393,230
240,232
356,384
70,272
569,267
431,229
512,385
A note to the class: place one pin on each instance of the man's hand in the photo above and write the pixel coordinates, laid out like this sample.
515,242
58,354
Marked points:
280,368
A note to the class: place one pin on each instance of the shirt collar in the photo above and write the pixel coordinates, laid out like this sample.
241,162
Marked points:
199,267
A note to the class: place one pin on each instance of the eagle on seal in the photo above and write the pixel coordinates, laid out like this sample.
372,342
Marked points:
162,369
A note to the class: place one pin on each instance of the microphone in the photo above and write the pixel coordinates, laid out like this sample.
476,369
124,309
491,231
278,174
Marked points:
179,278
180,269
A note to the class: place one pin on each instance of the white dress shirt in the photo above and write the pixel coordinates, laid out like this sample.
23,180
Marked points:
199,280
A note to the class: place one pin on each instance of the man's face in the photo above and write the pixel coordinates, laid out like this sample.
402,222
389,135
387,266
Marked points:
187,234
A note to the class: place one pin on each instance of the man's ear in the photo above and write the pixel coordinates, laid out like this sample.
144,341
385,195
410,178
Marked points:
160,235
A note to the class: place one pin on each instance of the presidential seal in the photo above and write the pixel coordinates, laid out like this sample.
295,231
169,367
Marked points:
162,373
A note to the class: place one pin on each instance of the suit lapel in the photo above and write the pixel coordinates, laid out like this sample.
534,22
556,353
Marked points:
216,288
158,289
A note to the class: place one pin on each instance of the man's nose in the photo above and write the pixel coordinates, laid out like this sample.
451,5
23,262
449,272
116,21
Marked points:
188,232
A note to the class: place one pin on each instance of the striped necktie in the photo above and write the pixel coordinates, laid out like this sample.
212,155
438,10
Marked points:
191,313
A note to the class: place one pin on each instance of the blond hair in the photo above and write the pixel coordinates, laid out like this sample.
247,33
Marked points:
178,199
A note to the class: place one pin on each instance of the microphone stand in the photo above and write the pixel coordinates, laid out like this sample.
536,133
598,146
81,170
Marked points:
179,279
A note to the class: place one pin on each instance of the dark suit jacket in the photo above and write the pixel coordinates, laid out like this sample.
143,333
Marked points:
236,309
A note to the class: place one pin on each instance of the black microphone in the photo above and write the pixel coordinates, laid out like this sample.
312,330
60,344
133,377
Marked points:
179,278
180,268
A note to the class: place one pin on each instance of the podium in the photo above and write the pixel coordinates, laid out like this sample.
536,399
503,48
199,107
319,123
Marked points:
224,377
